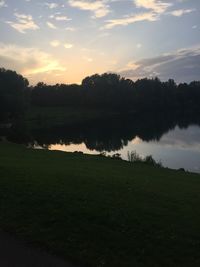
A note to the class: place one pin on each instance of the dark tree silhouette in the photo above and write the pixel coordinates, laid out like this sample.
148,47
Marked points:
13,94
108,91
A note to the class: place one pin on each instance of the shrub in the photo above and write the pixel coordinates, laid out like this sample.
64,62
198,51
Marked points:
134,157
116,156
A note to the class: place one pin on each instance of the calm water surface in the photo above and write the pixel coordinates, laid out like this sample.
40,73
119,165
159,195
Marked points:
178,148
172,139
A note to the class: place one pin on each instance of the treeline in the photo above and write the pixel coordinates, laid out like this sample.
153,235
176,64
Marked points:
106,91
110,91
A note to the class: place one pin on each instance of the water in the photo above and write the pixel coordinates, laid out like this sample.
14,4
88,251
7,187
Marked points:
172,140
179,148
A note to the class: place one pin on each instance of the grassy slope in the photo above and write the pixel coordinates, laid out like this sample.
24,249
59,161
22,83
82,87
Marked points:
100,211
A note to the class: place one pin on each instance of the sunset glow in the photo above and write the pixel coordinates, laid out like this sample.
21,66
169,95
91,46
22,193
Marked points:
65,40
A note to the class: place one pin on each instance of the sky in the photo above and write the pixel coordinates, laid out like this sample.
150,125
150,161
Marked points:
63,41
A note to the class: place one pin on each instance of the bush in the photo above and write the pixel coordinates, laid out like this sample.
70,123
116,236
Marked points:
116,156
136,158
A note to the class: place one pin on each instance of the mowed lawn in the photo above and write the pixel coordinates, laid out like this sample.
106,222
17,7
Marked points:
99,211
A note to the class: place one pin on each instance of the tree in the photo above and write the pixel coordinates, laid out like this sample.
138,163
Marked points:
13,94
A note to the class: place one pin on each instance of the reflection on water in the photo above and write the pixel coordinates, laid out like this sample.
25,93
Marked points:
173,140
177,149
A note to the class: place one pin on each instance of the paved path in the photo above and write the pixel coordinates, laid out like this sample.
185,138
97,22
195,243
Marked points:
14,253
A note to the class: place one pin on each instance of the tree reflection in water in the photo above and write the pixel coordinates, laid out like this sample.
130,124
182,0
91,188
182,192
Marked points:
105,135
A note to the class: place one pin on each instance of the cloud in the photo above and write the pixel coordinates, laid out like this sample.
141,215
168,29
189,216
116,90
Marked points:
70,29
88,59
28,61
51,25
181,12
51,5
23,23
149,16
68,45
182,65
154,9
99,8
138,45
62,18
3,3
55,43
154,5
58,17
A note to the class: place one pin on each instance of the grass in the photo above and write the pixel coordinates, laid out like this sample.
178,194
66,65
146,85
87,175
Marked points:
99,211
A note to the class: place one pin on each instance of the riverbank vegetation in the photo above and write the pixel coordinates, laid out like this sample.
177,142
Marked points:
99,211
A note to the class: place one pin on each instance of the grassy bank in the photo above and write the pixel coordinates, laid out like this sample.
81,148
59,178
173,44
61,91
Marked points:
99,211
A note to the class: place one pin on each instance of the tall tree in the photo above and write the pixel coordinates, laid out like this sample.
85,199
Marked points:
13,94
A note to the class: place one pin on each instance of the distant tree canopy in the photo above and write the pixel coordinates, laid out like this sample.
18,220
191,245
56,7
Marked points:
110,91
13,94
56,95
106,91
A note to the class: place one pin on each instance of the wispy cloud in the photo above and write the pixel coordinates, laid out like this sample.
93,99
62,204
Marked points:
51,25
57,16
51,5
148,16
56,43
23,23
62,18
70,29
181,12
154,9
99,8
154,5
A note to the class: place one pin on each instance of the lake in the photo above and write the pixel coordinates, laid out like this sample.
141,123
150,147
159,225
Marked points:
179,148
171,139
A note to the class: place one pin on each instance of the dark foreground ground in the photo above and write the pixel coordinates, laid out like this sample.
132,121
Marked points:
98,211
15,253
